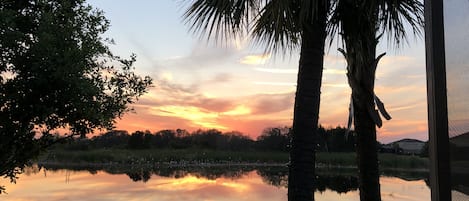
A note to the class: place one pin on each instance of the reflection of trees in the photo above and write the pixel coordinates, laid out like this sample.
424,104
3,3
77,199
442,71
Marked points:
275,176
338,180
406,175
141,175
56,168
338,183
31,170
144,173
278,176
210,173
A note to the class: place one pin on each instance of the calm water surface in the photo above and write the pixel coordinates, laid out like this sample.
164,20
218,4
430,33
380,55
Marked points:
199,185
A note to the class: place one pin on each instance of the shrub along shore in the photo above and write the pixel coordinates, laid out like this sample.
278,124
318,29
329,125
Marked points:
335,149
200,157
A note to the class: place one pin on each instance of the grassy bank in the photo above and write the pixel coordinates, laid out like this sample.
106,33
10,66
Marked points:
196,157
126,156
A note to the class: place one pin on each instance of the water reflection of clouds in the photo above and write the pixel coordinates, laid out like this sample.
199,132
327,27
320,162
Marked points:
102,186
395,189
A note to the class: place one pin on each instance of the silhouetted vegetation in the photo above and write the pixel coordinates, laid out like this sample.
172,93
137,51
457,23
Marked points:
276,139
336,140
171,157
57,72
201,147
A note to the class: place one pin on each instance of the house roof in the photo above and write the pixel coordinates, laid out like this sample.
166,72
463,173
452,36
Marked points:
460,140
407,140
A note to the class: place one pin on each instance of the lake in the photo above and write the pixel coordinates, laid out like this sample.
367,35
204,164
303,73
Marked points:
198,184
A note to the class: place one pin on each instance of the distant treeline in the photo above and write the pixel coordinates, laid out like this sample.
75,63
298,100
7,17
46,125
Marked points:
271,139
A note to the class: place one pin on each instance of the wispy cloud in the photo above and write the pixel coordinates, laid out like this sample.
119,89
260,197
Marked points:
192,109
333,71
202,56
396,59
195,115
295,71
237,111
276,83
167,76
277,70
255,59
220,77
334,58
403,107
271,103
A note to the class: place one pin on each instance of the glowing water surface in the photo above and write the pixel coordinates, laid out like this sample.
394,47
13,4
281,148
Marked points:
252,185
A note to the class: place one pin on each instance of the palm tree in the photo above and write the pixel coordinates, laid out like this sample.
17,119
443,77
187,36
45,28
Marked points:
282,25
360,24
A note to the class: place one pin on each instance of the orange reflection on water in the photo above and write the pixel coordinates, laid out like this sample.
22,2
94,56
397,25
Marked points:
66,185
102,186
395,189
392,189
190,183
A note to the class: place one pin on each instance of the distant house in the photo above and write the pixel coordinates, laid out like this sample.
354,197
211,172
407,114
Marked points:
409,146
459,147
390,148
404,146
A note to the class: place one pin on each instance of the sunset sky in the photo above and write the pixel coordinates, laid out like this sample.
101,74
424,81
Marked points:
237,86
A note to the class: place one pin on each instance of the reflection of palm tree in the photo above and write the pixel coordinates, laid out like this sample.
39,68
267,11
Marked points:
340,183
281,25
358,22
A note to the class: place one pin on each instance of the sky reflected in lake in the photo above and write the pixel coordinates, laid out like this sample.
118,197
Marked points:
250,186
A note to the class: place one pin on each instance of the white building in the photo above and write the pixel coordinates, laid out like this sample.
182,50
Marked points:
409,146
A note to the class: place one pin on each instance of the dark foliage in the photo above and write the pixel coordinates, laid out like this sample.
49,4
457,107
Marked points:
56,72
271,139
336,140
274,139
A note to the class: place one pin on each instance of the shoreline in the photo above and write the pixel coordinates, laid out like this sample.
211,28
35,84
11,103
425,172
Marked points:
65,165
214,158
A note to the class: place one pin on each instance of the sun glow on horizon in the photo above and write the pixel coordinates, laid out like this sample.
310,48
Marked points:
239,110
199,116
235,86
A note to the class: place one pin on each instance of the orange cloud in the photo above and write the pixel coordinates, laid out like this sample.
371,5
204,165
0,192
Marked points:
277,70
239,110
249,114
171,105
276,83
255,59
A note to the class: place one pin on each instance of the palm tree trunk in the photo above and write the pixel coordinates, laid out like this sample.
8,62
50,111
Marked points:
359,33
361,76
367,155
306,111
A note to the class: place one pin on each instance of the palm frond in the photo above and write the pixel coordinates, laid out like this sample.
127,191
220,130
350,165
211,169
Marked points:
277,26
343,19
396,14
222,19
394,17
